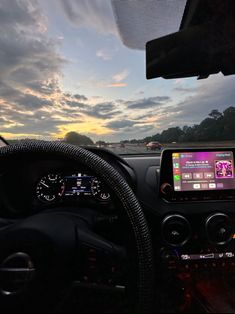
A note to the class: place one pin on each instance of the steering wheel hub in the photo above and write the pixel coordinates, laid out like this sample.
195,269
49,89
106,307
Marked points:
16,272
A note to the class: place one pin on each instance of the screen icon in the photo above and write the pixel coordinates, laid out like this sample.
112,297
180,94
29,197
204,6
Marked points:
198,175
187,176
207,256
177,177
220,185
212,185
185,257
177,188
229,254
209,175
176,171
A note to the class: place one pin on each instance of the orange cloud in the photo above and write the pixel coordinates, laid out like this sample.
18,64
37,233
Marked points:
9,135
117,85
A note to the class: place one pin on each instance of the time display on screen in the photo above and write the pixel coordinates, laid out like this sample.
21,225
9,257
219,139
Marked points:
194,171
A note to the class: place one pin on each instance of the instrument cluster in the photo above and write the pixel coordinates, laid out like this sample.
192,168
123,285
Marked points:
53,187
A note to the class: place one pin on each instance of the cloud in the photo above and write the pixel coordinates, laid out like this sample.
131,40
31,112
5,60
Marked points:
128,129
185,90
216,92
120,76
97,97
150,102
95,14
120,124
106,110
105,54
75,104
140,92
138,131
117,85
80,97
41,127
23,13
31,99
32,102
29,58
30,69
105,107
178,81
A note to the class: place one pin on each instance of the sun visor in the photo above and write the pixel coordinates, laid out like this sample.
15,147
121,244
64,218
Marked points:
140,21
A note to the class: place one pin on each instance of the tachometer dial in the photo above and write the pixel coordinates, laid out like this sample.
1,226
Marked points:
99,190
50,188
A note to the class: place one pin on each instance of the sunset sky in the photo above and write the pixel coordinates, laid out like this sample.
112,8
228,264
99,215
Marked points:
63,67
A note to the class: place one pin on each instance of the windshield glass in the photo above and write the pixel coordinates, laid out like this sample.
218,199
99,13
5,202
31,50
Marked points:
75,71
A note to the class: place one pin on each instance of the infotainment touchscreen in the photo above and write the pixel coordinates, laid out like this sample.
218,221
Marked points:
201,171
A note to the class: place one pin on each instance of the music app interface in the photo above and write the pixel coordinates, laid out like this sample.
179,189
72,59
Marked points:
194,171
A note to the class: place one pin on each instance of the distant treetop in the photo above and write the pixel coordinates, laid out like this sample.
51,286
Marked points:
77,139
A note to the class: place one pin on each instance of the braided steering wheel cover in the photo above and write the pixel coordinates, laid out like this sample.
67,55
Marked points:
123,192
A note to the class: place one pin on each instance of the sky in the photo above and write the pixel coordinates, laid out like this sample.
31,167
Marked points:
64,66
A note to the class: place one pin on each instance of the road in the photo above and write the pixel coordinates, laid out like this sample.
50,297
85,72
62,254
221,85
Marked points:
141,149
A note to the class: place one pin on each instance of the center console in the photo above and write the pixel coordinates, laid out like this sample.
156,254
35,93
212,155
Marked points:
197,175
200,178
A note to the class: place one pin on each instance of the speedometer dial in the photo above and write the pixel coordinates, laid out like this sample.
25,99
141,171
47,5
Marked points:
50,188
99,190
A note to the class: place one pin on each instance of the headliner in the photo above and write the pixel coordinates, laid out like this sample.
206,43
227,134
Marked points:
140,21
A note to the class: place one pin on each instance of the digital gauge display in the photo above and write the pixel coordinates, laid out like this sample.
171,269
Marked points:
77,184
53,187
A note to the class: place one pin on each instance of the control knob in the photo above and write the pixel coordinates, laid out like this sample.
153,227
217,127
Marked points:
166,188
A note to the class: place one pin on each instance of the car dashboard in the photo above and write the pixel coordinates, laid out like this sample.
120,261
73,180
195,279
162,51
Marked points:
187,196
31,186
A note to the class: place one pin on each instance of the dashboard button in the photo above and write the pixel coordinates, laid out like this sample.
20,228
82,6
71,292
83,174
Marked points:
169,256
166,188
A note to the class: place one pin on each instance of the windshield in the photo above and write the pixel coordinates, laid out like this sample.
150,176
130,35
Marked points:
75,71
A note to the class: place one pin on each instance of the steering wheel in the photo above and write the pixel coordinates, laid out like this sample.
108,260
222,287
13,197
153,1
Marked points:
36,249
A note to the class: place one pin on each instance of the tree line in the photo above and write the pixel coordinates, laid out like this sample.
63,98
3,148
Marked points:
217,126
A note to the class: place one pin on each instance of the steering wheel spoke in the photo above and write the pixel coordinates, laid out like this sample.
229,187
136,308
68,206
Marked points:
102,262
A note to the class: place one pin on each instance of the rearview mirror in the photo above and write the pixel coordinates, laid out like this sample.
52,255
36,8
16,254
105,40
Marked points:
199,50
